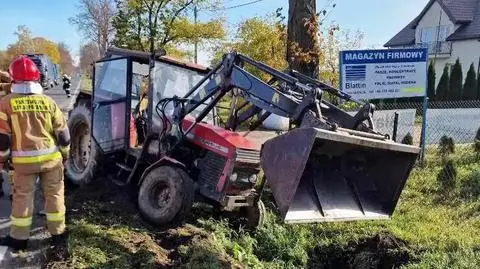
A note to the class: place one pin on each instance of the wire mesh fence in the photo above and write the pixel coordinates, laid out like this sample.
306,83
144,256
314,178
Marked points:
452,133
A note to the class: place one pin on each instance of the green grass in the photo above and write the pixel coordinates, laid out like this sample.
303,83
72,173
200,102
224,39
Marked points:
436,228
441,229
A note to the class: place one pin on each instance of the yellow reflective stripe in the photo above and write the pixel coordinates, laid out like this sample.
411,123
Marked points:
60,216
37,159
65,150
3,116
17,131
21,222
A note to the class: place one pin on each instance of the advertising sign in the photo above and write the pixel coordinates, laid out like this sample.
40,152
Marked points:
382,74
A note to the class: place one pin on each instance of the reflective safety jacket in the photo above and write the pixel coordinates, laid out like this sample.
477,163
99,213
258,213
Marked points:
37,132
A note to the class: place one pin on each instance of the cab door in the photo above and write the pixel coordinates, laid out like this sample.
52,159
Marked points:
110,105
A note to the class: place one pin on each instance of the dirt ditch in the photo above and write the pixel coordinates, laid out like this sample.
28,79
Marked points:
380,251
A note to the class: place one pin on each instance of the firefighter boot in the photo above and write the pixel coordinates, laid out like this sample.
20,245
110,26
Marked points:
59,247
16,244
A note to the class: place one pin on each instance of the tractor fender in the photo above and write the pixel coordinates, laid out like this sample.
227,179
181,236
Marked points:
163,161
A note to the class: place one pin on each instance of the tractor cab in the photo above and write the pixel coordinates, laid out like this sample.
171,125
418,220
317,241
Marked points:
121,100
127,126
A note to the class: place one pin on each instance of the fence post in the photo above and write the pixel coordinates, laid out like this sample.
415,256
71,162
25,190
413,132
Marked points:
395,127
423,136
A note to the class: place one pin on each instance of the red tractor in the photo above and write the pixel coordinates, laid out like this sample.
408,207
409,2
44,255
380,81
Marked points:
168,141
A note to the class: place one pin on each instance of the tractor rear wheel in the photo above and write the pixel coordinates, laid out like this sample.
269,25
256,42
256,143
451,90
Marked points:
82,165
166,195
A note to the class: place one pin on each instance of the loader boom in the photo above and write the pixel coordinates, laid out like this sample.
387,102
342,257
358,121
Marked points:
290,98
330,167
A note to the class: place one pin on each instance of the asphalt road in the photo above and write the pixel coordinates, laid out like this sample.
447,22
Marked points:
35,255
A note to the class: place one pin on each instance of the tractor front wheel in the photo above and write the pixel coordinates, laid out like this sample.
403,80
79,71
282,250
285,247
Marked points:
254,215
166,195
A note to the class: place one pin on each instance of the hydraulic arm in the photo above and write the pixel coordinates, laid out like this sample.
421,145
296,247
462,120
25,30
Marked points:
329,166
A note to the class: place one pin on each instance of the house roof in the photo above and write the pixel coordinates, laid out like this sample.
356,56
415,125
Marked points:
464,12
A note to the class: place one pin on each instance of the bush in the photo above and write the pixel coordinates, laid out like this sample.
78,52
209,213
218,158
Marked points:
446,146
431,82
447,176
470,187
408,139
456,79
470,86
476,141
443,86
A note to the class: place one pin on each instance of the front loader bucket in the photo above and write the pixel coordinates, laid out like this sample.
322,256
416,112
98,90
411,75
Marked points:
318,175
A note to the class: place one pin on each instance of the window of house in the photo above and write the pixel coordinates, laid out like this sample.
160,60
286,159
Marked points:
427,35
443,32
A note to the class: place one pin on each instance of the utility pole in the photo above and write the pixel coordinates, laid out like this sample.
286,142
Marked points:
300,34
196,45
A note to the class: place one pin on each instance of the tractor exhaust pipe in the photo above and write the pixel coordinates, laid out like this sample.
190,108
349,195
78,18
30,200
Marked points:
318,175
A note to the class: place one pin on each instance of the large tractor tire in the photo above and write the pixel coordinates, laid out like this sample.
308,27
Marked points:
81,168
166,195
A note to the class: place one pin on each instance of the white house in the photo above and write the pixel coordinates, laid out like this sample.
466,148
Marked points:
450,29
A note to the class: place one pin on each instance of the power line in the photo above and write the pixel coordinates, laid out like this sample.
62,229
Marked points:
236,6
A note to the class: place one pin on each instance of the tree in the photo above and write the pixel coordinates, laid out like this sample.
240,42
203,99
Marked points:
89,53
478,84
331,43
456,82
147,25
66,61
443,85
303,50
94,21
261,38
431,82
27,44
470,86
24,42
4,60
48,48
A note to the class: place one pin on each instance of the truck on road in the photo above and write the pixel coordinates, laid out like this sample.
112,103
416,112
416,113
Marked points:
48,70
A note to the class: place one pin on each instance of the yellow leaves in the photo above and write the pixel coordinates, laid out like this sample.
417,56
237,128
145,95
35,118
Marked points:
48,48
263,40
187,31
26,44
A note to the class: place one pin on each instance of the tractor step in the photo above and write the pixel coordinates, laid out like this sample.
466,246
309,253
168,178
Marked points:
124,167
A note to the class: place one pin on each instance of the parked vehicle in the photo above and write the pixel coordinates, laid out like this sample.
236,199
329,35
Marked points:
55,73
46,67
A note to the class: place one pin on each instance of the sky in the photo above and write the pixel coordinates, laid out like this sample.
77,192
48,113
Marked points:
379,20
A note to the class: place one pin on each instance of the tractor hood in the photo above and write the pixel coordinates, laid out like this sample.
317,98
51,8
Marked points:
217,139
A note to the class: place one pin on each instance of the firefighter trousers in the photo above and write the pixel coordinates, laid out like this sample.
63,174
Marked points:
52,184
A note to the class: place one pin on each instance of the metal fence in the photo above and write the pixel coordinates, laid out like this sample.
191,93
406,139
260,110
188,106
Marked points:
451,132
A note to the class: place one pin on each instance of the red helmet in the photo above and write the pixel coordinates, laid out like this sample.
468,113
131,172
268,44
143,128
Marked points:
23,69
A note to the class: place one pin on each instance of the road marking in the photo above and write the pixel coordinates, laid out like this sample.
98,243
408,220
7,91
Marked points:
3,251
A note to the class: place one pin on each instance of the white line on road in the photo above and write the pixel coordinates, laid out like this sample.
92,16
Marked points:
3,250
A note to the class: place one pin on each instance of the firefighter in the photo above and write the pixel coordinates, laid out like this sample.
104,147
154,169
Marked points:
34,133
5,84
66,84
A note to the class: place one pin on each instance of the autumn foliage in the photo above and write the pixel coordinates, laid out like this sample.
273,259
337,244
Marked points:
26,43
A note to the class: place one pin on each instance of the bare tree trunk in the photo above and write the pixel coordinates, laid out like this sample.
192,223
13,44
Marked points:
302,45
